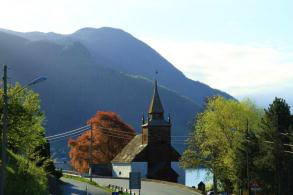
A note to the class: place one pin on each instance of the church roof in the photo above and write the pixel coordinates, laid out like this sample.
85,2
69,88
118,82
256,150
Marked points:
134,151
131,151
156,104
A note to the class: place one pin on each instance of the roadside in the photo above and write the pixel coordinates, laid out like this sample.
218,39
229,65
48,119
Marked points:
150,187
74,187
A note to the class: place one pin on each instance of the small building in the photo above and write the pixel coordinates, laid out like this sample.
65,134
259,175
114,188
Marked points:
102,169
151,152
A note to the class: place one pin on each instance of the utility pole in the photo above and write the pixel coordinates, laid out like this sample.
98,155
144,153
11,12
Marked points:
247,162
90,154
4,131
5,125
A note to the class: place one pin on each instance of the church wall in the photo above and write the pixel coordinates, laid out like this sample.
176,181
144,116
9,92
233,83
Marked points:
181,172
141,167
121,169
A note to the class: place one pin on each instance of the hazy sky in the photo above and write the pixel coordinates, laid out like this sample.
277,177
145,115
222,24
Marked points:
242,47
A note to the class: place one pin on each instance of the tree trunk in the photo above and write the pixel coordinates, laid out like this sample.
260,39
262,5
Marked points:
215,184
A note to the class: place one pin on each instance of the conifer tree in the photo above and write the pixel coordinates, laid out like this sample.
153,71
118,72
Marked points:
274,161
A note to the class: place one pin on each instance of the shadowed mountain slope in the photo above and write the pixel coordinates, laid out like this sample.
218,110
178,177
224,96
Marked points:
78,85
121,51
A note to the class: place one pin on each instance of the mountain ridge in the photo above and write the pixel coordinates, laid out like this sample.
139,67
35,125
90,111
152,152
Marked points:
103,43
82,82
77,87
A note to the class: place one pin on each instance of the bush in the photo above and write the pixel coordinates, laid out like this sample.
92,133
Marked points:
24,178
49,167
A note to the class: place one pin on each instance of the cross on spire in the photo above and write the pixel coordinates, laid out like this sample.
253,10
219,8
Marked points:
156,110
156,74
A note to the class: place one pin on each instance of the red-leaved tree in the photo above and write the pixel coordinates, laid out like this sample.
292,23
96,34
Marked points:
110,136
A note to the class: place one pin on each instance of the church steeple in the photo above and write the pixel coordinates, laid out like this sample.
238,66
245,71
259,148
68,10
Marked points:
156,110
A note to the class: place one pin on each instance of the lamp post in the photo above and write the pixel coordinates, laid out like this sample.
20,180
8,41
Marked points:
5,123
4,131
91,155
247,156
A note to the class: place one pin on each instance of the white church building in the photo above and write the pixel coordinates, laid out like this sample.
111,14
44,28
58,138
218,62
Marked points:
151,152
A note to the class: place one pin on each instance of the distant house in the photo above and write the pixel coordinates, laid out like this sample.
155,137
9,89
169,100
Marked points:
151,152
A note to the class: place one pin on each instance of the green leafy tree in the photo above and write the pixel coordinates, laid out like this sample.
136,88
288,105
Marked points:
25,141
219,138
25,120
26,134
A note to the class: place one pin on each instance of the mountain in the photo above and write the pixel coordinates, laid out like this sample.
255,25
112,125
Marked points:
99,69
121,51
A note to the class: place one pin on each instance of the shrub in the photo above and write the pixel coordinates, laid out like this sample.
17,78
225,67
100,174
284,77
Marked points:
23,177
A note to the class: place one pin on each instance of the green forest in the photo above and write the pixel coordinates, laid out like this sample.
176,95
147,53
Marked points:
245,147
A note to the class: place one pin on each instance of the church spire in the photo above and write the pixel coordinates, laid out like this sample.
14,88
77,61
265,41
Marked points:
156,110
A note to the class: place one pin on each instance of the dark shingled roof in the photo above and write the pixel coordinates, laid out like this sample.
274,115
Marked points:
135,151
130,151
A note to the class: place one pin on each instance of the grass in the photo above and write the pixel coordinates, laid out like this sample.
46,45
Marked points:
24,177
85,180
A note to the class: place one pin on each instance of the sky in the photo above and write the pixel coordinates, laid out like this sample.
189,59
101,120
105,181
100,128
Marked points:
242,47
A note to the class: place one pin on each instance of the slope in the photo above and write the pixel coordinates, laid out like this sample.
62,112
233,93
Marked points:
77,86
121,51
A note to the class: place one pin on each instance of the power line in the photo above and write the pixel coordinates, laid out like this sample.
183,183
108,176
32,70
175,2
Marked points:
120,135
85,128
72,131
270,142
179,143
117,136
288,145
286,134
66,137
60,139
55,138
106,131
110,130
288,152
69,134
81,128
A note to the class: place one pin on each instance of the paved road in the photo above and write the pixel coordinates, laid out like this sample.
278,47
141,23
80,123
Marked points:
148,188
74,187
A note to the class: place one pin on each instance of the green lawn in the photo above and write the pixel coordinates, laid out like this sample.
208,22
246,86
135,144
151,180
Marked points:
86,180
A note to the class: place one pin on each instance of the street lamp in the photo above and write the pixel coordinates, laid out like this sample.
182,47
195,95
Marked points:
37,80
5,122
32,82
